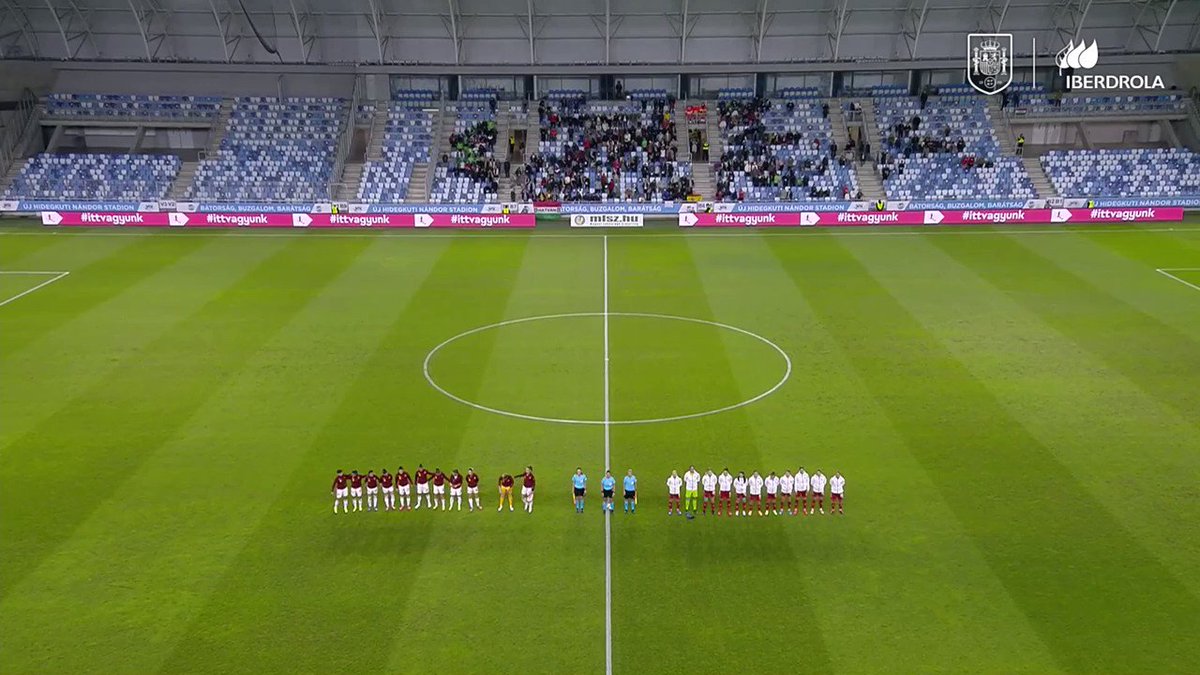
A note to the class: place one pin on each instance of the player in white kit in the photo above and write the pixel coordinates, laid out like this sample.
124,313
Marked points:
837,490
818,491
739,494
724,487
674,485
771,483
802,483
709,482
787,485
755,484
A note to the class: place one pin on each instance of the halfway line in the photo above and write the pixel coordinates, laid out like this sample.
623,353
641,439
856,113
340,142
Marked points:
608,660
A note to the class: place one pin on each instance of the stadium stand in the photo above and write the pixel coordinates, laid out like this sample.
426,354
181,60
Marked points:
944,147
606,151
274,150
95,176
734,93
1145,172
468,173
407,138
138,107
798,93
780,151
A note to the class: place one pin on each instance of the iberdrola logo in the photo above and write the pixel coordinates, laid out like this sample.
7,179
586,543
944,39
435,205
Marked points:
1077,57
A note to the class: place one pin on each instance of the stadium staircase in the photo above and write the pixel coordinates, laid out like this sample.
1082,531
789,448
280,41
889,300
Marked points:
869,180
702,177
13,171
187,171
421,183
1041,182
505,122
869,124
837,120
716,145
375,134
1004,133
183,181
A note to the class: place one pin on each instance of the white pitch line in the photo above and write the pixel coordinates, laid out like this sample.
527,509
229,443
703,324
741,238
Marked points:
57,276
608,658
1166,272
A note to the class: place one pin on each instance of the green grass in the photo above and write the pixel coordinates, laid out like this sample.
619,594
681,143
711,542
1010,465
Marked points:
1016,414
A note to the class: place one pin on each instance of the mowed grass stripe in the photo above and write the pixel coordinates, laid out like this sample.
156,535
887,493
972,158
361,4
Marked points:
670,576
106,433
17,249
494,594
1101,426
91,283
1095,596
149,556
900,552
1124,267
322,579
1120,334
69,360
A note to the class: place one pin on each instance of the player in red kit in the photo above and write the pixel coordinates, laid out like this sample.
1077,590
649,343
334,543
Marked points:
356,481
456,481
389,492
439,489
527,484
473,490
339,491
404,488
372,482
422,480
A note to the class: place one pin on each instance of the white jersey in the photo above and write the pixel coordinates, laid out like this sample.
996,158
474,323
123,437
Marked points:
787,483
801,481
692,478
673,484
739,485
837,485
710,482
818,483
756,485
725,481
772,483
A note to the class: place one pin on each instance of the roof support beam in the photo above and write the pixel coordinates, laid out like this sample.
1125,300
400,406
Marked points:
455,27
993,15
301,22
762,30
1068,17
15,15
224,21
152,23
377,30
1150,23
839,16
73,27
683,31
912,24
529,18
607,31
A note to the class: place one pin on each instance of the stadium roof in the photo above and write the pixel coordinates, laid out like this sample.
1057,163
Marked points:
467,32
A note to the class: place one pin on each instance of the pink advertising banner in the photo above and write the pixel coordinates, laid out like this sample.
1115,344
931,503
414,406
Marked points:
909,218
297,220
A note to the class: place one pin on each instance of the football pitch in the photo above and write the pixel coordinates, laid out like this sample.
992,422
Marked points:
1016,413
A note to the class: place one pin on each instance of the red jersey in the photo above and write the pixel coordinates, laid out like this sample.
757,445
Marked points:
529,481
439,479
372,481
386,480
472,480
402,478
455,480
339,483
355,481
506,481
422,476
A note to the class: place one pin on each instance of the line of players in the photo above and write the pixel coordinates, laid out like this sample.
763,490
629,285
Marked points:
773,494
348,490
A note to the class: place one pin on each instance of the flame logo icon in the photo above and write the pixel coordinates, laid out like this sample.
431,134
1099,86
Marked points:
1082,56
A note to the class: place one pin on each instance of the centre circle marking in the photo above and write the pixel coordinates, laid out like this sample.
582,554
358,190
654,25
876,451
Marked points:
787,373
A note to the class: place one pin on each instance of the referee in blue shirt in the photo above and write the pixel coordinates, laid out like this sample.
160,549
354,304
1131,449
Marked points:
607,485
579,481
630,492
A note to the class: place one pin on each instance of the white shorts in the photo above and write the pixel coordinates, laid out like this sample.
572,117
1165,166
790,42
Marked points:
526,492
473,490
422,488
373,491
388,490
404,490
355,492
455,492
341,493
439,489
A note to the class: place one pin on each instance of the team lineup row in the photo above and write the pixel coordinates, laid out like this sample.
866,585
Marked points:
723,494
